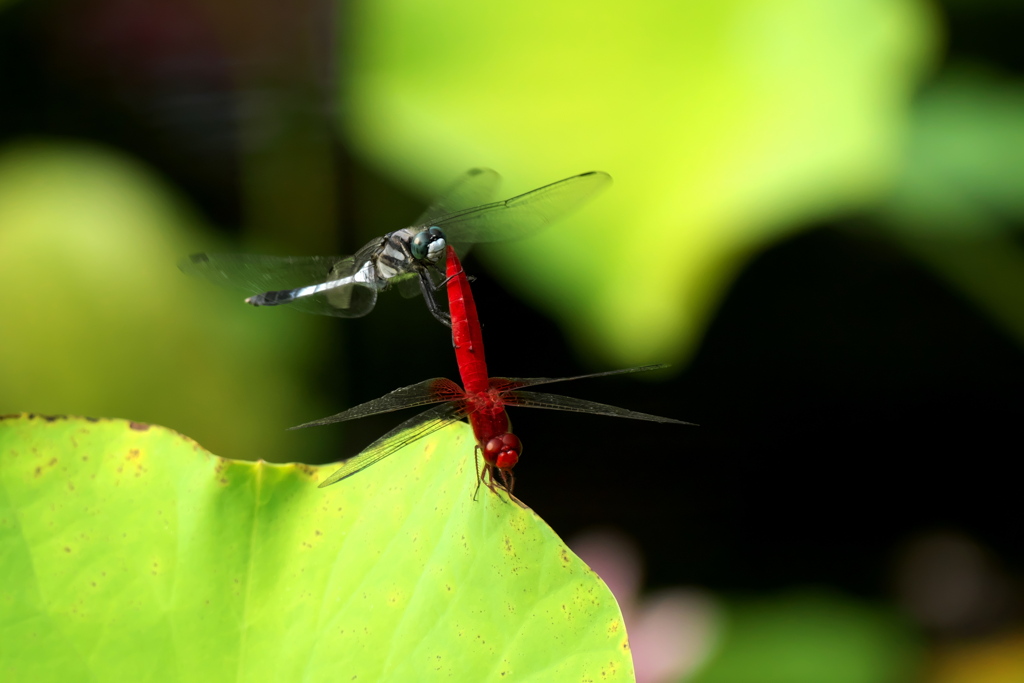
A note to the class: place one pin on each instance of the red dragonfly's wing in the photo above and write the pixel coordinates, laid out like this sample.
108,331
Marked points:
509,383
411,430
435,390
535,399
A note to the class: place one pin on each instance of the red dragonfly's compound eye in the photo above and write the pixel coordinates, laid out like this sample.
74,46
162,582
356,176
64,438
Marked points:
503,451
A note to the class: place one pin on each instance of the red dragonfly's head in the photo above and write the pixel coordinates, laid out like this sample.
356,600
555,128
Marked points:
503,451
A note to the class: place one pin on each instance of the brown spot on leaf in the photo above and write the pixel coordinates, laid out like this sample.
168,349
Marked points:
92,419
138,426
67,549
133,454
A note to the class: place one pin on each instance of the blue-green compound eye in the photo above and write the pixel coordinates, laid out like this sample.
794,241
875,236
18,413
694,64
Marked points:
423,244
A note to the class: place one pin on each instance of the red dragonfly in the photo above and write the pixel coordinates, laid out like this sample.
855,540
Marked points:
481,399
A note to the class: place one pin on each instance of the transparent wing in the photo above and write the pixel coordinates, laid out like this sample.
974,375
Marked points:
523,215
476,186
398,438
535,399
293,280
423,393
409,285
509,383
253,273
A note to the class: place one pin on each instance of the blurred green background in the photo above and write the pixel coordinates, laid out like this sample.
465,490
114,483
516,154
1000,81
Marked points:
815,219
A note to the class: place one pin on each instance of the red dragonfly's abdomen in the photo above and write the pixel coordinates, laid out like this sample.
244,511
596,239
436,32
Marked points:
490,423
466,334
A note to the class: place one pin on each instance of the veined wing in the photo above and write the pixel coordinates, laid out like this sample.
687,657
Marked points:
411,430
509,383
423,393
254,273
302,282
475,187
535,399
523,215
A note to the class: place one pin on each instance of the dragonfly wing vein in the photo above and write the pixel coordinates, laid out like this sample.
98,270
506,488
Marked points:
423,393
506,383
535,399
525,214
413,429
476,186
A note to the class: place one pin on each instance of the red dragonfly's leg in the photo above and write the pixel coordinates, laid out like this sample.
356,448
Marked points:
486,477
479,472
508,482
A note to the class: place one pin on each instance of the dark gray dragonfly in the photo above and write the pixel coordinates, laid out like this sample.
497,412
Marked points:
347,286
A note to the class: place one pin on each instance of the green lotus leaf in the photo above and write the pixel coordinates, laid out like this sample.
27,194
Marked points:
726,125
128,552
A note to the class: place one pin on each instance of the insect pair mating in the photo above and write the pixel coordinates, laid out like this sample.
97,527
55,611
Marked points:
348,286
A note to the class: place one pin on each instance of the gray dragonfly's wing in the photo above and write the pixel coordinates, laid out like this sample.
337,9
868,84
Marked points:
253,273
523,215
475,187
304,283
409,285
